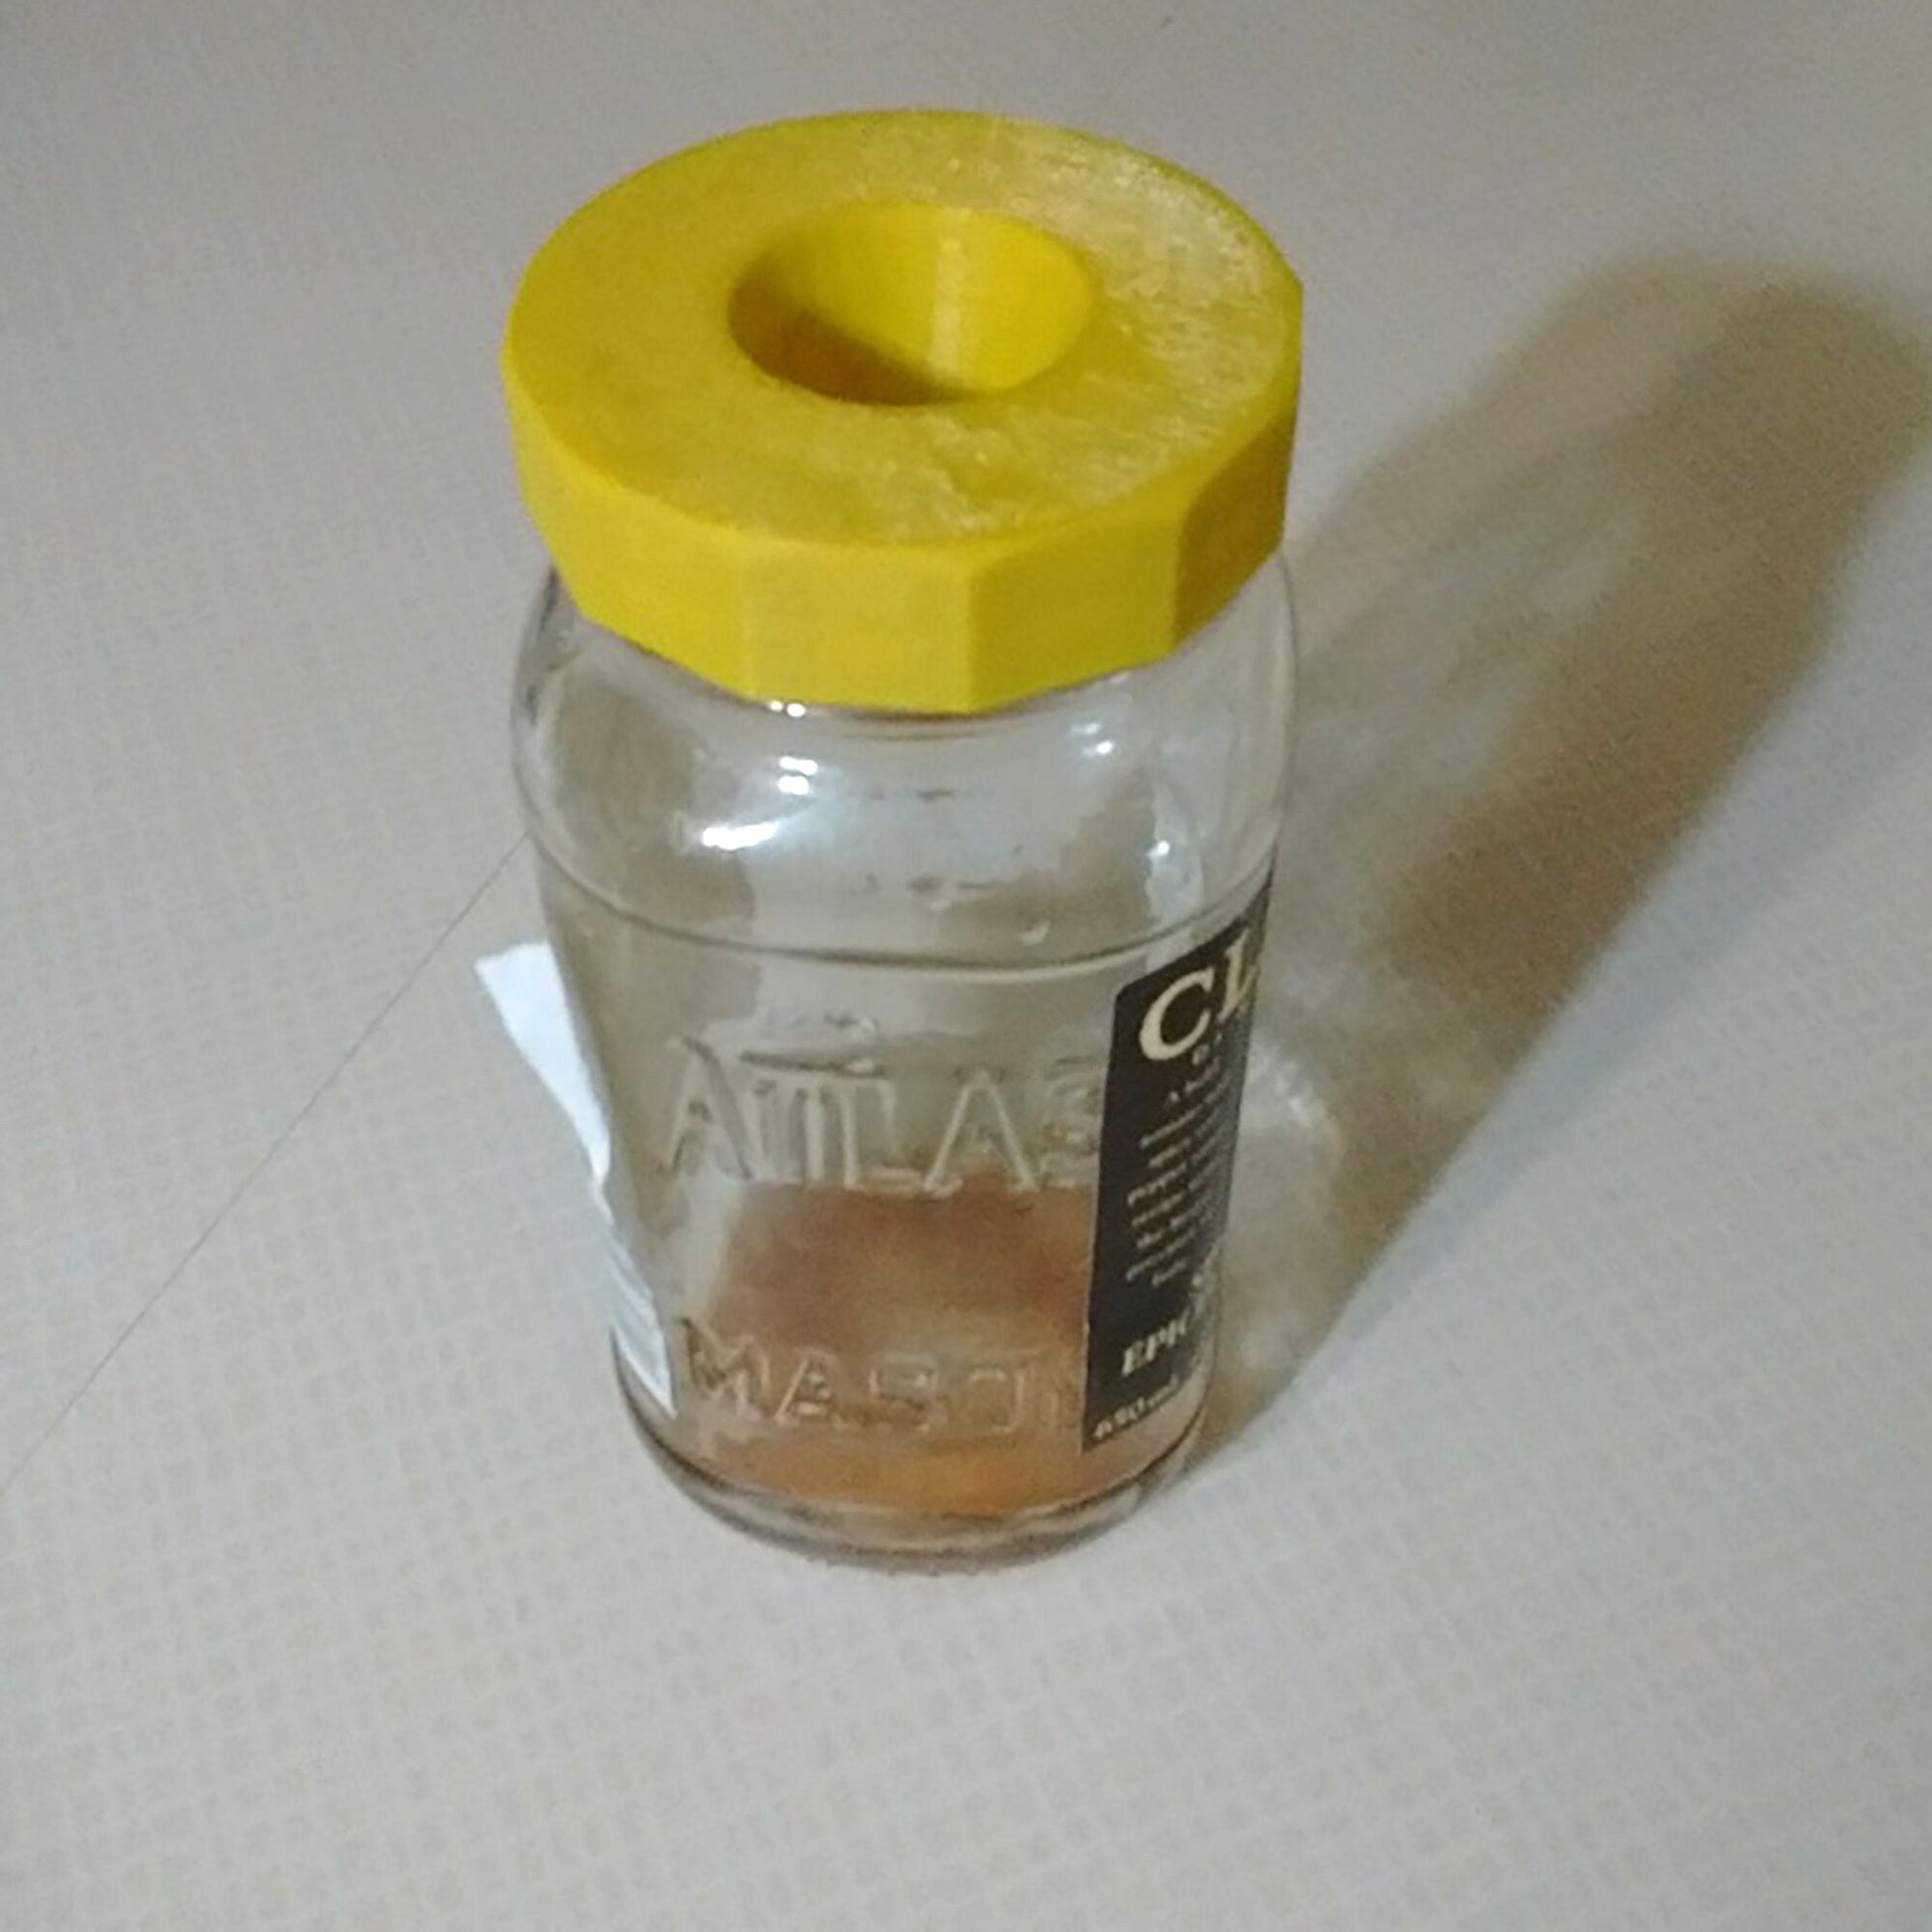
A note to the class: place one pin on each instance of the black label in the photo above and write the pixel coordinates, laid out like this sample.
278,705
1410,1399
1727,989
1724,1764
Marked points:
1167,1160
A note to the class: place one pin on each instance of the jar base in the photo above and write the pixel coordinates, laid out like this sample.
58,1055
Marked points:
891,1539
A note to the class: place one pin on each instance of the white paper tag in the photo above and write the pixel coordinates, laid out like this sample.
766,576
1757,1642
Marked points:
527,992
524,988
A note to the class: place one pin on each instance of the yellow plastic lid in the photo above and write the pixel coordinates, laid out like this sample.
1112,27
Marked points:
920,412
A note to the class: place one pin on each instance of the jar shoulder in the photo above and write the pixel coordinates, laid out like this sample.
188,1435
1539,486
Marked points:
1071,825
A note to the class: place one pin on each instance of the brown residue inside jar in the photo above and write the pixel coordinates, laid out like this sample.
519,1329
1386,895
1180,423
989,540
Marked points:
922,1353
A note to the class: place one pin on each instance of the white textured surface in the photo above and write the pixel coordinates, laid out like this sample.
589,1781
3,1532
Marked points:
1581,1579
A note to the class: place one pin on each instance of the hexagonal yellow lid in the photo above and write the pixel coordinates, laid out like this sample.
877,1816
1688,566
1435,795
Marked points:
923,412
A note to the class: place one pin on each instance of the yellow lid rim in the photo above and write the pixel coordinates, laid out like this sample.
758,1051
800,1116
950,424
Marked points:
1109,355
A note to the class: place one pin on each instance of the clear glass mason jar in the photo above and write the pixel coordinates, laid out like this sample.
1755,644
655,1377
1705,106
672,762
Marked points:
848,979
906,761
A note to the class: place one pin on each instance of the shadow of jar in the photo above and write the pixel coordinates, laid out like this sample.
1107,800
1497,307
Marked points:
1535,640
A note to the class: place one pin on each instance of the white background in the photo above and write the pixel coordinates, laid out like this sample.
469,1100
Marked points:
1579,1579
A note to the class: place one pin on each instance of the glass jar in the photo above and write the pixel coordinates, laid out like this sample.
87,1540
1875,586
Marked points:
919,1013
